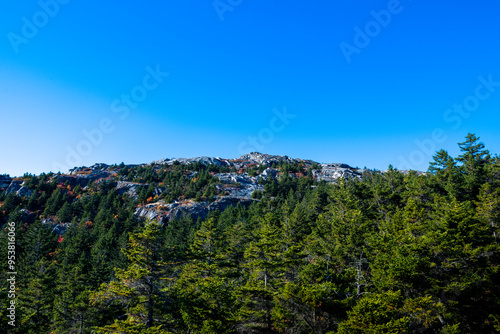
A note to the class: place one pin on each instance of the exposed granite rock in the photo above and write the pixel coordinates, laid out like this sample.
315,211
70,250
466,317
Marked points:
266,159
164,213
149,212
332,172
94,167
55,226
201,210
235,178
244,190
159,190
238,185
253,158
24,192
161,161
13,187
18,188
194,210
131,188
269,173
82,176
203,160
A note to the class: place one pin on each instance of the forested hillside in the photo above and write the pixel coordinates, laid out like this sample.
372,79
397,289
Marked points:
280,250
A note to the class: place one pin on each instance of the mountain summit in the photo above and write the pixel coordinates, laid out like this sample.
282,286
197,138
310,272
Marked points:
174,187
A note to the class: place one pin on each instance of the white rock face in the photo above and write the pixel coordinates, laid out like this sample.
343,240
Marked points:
204,160
131,188
266,159
18,188
332,172
269,173
246,184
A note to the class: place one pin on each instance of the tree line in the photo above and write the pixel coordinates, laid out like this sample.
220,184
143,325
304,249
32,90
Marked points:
394,252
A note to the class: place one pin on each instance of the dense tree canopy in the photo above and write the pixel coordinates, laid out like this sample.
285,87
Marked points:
394,252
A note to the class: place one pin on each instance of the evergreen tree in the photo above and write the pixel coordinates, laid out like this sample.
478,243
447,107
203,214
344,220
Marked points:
54,203
474,159
36,298
64,214
141,289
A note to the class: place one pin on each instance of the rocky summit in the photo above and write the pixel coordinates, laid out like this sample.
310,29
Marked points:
233,182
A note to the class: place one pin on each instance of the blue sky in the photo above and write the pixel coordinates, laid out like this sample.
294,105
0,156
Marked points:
234,69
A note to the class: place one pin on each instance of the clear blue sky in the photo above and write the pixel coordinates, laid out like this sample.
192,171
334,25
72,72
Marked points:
227,76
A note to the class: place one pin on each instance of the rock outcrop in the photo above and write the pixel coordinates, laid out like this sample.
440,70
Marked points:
266,159
18,188
238,185
203,160
269,173
98,167
263,159
55,226
82,176
332,172
131,188
167,212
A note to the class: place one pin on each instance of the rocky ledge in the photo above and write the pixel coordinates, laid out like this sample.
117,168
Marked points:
166,212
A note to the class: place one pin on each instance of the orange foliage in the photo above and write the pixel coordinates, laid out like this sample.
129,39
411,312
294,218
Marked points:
54,253
84,172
